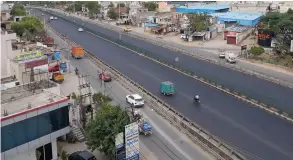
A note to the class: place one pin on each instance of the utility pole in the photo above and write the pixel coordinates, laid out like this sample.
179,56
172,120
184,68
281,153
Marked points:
103,83
84,84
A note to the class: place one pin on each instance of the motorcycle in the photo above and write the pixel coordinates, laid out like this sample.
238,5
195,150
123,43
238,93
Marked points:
196,100
76,71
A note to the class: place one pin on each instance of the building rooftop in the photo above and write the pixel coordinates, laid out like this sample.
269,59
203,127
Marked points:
238,15
238,29
207,7
22,98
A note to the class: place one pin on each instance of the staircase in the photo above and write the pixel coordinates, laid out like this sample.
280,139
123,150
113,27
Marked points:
77,133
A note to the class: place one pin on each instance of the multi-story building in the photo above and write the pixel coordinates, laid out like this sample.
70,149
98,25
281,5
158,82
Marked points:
6,50
33,117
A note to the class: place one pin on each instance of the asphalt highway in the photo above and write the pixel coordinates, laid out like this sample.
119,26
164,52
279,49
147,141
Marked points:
262,90
242,125
166,142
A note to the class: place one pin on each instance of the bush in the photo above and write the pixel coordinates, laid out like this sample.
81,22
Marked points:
256,51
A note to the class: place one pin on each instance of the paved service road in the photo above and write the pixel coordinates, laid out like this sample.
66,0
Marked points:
166,143
261,90
244,126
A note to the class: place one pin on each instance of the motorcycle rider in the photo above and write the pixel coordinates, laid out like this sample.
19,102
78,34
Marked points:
76,70
196,98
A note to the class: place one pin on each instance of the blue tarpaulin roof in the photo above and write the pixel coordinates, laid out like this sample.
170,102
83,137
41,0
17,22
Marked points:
151,25
57,55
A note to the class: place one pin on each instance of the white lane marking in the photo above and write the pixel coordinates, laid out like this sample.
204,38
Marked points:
166,136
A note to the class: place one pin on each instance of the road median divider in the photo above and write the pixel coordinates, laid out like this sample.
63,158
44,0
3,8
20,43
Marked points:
149,55
194,54
197,134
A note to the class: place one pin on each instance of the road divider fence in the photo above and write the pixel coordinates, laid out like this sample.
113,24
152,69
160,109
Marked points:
198,135
287,115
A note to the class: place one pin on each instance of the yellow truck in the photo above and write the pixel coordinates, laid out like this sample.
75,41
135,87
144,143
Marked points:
77,52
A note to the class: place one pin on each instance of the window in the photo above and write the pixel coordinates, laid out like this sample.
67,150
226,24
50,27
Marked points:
32,128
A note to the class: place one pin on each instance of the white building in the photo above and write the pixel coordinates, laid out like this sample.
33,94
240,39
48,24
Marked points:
6,50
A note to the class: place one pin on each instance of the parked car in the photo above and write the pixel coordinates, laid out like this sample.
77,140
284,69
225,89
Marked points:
135,100
55,17
221,53
80,30
81,155
230,57
105,77
127,29
183,36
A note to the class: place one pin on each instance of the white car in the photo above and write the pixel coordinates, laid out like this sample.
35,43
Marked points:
135,100
222,54
230,57
51,18
183,36
80,30
55,17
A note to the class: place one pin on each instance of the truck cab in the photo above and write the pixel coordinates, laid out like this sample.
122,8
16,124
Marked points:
77,52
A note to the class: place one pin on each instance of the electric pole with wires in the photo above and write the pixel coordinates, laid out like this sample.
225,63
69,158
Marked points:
84,92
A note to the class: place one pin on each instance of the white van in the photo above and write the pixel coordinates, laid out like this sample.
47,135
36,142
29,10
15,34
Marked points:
230,57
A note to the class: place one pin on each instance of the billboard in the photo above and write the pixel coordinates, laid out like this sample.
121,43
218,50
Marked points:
264,37
132,141
36,63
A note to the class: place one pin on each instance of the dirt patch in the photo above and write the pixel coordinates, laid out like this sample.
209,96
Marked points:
283,62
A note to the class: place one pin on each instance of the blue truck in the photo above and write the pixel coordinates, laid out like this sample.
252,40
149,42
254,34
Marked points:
167,88
145,128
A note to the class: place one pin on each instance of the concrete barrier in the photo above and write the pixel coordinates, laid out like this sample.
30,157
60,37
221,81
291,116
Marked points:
207,141
261,105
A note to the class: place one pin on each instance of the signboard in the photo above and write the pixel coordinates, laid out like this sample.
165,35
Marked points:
119,140
29,55
231,34
36,63
132,141
244,47
264,37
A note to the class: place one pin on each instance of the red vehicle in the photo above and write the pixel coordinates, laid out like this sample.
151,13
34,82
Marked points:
54,68
105,77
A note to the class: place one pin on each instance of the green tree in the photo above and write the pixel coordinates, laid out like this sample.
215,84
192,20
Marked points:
18,10
256,51
101,131
111,5
112,14
93,7
99,98
198,21
30,25
282,25
121,5
151,6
